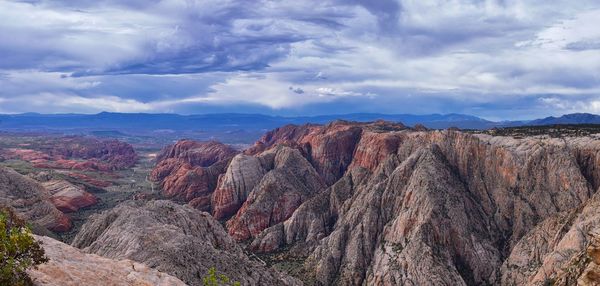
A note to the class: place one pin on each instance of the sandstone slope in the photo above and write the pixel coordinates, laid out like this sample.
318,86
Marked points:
564,250
69,266
31,201
174,239
68,197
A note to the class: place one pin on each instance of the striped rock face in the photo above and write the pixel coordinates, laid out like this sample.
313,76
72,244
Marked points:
31,201
68,197
382,204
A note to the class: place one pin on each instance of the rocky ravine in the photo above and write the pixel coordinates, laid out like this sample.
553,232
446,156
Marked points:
382,204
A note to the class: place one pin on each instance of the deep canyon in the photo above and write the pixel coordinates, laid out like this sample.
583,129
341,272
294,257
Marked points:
344,203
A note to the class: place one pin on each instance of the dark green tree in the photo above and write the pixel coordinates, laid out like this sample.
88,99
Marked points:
18,250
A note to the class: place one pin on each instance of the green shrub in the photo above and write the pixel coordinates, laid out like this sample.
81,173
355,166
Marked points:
18,250
214,279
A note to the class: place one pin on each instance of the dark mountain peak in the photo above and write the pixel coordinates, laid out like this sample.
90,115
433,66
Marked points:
572,118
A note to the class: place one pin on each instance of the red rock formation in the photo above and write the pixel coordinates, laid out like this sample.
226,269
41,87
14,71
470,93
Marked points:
201,154
243,174
26,155
188,182
61,224
188,171
329,148
68,197
278,194
116,154
412,199
373,148
77,153
90,180
381,204
31,201
286,134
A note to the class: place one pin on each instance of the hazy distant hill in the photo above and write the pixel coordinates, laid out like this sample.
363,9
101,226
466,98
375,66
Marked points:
145,121
574,118
230,126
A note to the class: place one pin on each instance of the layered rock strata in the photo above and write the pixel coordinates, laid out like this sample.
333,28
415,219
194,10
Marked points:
68,197
31,201
383,204
188,171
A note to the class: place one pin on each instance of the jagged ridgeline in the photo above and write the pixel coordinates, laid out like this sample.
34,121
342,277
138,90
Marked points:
382,204
357,204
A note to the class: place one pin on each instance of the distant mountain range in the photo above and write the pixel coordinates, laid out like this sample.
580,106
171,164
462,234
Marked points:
574,118
143,122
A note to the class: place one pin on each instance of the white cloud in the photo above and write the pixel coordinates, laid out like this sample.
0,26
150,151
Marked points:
470,53
266,90
64,102
337,92
44,37
562,105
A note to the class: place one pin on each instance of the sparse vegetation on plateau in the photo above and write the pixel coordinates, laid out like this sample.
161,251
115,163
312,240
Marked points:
554,131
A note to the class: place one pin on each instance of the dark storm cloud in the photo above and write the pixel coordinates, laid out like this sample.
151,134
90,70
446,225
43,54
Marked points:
168,38
295,57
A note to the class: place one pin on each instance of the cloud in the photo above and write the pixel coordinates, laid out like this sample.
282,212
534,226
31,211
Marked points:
66,102
268,90
561,105
481,57
584,45
296,90
336,92
164,37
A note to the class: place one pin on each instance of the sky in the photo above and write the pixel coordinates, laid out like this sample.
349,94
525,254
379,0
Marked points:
503,59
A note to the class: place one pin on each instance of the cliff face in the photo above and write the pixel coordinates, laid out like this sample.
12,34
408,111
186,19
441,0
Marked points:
174,239
188,171
380,204
331,148
201,154
243,174
563,249
290,181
